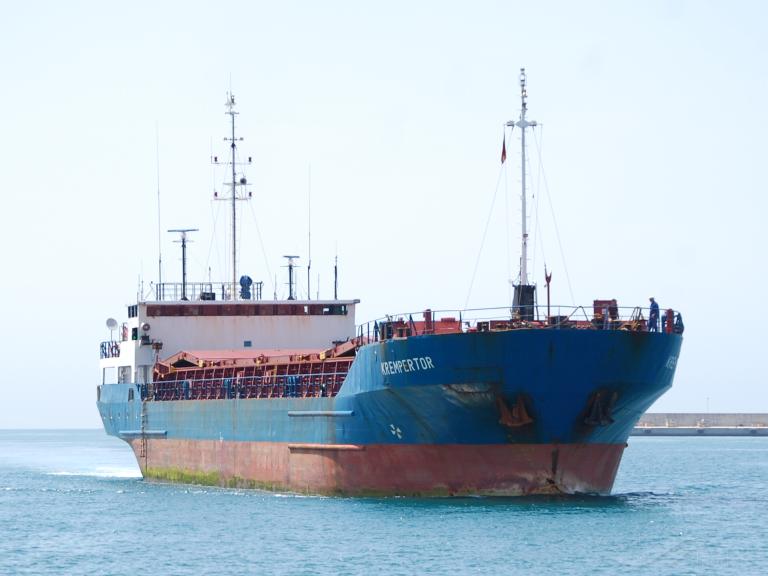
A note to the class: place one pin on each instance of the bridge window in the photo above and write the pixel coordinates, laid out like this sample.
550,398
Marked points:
108,375
335,310
124,375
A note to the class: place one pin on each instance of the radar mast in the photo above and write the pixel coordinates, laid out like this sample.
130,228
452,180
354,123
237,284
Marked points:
238,186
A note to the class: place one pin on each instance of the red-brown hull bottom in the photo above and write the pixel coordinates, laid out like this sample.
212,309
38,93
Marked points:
385,469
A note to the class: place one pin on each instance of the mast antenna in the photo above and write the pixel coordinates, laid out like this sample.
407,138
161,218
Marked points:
183,232
291,266
309,230
238,186
159,234
524,292
336,277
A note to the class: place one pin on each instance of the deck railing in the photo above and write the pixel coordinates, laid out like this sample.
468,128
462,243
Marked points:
109,349
222,291
222,388
603,315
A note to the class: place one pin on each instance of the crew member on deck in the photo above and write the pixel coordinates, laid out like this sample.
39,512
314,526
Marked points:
653,317
679,327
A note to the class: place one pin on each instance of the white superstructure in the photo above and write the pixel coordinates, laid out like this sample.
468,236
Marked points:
160,329
214,316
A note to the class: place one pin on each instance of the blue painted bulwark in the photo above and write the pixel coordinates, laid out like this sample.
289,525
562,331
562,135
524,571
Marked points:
574,386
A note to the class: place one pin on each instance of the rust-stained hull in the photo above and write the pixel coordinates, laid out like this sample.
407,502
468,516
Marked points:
507,413
385,469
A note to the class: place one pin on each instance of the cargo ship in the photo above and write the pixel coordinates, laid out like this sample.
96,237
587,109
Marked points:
211,384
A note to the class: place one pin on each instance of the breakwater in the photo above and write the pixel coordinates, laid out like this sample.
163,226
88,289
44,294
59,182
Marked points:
702,424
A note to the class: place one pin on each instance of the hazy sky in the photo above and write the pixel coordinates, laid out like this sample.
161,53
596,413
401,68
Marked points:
653,137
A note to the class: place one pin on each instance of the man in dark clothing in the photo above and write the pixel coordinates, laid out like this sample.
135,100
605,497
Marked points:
653,317
679,327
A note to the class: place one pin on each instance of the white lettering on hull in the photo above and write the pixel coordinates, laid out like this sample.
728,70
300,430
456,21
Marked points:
671,362
416,364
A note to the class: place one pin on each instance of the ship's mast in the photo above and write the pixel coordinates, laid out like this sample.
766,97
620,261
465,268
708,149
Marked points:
232,113
523,123
234,184
524,293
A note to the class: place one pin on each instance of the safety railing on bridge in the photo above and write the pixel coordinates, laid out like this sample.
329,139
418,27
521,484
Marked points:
109,349
222,291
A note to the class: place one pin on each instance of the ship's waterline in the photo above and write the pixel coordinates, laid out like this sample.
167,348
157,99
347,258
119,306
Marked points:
407,470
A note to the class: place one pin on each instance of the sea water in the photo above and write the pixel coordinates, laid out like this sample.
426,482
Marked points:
73,502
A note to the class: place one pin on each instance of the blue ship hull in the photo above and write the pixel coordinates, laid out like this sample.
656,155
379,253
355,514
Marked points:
509,412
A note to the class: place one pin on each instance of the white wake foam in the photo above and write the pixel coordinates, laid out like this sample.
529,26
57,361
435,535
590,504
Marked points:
101,473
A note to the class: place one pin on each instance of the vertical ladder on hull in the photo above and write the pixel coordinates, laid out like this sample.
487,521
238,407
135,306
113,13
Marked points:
143,444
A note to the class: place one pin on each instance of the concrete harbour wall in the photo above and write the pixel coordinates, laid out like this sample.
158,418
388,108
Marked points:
702,424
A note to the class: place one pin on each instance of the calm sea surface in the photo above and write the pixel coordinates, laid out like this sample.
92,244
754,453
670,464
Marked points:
73,502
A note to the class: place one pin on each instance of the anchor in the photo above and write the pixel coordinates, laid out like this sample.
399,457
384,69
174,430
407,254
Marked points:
600,408
514,417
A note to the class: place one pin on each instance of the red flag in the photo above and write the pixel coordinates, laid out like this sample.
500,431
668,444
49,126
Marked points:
504,150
